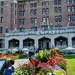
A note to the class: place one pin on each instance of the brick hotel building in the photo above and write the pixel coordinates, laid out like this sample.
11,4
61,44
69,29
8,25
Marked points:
37,24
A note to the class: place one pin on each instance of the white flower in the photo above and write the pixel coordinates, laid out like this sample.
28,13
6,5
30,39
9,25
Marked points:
62,74
49,73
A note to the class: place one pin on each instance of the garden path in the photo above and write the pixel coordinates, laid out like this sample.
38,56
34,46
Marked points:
20,62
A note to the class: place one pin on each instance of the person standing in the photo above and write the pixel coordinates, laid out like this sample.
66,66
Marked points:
9,69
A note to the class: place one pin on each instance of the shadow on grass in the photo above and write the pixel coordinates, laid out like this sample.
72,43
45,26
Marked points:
69,57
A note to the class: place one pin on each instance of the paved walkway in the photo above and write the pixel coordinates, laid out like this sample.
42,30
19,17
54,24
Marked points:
20,62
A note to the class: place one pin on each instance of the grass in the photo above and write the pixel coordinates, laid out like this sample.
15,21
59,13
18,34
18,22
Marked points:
14,57
70,65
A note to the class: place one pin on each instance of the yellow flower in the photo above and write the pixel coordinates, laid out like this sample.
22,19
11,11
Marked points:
59,72
56,48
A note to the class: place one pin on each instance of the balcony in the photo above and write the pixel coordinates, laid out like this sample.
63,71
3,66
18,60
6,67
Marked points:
41,31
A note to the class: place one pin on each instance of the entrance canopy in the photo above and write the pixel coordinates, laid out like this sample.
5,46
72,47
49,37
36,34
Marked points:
14,50
69,48
25,50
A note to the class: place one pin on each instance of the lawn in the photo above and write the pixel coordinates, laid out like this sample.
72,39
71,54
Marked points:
70,65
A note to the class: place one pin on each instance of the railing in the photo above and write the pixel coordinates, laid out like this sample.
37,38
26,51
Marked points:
40,31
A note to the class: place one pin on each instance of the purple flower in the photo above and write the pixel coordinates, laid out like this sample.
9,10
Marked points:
56,67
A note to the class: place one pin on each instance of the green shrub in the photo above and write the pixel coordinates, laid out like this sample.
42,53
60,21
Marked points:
14,57
1,53
62,65
22,56
43,55
17,57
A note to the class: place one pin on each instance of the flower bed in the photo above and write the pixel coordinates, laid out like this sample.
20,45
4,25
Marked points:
46,63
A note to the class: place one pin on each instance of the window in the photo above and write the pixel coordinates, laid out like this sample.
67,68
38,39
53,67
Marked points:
22,6
24,13
68,9
21,14
70,1
15,12
15,5
45,3
24,21
2,11
1,19
47,19
2,3
58,18
15,21
33,20
47,10
33,12
1,30
43,19
73,17
21,22
72,8
69,17
57,9
33,4
57,2
43,11
6,29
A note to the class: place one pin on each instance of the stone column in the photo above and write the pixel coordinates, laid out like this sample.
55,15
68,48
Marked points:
52,42
36,44
69,41
6,43
20,43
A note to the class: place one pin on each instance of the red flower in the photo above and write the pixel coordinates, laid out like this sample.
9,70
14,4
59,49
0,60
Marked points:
51,62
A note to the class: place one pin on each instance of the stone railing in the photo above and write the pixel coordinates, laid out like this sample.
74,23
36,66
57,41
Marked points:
40,31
